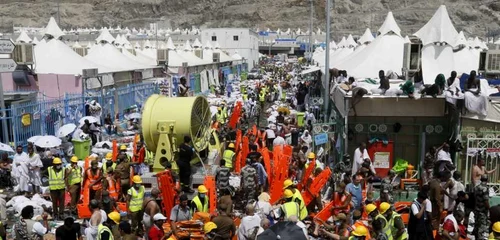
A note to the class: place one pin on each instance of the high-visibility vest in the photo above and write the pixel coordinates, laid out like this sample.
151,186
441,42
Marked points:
113,188
262,96
290,209
245,96
220,118
224,112
93,179
302,206
56,179
199,206
101,229
228,158
394,230
75,176
387,228
104,166
149,156
137,199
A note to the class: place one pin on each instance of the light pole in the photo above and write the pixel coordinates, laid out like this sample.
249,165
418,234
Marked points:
270,46
310,33
327,59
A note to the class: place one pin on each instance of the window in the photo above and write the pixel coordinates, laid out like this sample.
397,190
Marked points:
235,38
214,38
494,62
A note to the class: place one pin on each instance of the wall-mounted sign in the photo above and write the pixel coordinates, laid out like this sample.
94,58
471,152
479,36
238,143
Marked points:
26,120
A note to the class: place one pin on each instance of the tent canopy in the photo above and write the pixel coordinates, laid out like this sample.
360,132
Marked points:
52,30
438,29
367,37
389,25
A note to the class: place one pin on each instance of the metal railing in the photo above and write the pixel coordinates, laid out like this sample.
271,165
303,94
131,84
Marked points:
489,150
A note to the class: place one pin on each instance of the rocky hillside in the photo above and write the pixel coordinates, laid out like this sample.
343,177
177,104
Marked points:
478,17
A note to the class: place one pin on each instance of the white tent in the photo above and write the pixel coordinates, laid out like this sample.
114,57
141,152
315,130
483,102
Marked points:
237,56
208,52
383,53
76,45
437,36
197,43
350,41
35,41
407,39
139,57
367,37
53,29
23,38
105,54
55,57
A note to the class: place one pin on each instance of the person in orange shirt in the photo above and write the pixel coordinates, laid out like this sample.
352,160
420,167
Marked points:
112,185
342,200
94,176
140,153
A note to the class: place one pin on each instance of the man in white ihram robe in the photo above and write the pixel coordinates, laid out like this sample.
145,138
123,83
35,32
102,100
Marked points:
20,170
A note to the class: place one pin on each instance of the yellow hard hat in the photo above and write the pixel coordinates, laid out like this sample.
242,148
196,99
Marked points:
288,193
360,231
137,179
311,155
496,227
231,145
123,147
74,159
109,156
383,207
56,161
219,109
115,216
370,208
287,183
209,226
202,189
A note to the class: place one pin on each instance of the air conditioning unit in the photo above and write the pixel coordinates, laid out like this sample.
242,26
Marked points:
90,73
198,53
216,57
162,55
23,54
184,64
81,51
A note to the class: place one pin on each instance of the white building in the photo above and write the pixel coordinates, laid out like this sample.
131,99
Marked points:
243,41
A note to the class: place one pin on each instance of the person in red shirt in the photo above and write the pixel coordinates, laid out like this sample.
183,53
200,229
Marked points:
140,153
156,232
451,226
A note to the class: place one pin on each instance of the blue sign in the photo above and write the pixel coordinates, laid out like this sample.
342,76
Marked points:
263,33
320,139
285,40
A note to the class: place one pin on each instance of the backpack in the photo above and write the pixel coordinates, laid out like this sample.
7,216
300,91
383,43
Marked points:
252,233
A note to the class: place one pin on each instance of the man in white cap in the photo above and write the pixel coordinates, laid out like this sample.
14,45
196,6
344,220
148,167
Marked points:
156,232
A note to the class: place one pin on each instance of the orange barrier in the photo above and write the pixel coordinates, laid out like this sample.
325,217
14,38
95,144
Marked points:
287,150
237,163
167,191
326,212
209,182
263,139
134,148
319,181
267,163
308,171
254,131
237,142
280,167
235,116
115,150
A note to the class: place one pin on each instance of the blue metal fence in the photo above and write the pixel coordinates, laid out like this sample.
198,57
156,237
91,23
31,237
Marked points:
44,117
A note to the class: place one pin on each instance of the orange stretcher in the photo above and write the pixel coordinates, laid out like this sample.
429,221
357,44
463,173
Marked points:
319,181
166,186
235,116
209,182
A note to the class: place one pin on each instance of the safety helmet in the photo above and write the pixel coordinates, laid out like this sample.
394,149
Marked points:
209,226
123,147
370,208
219,109
109,156
137,179
287,183
56,161
231,145
74,159
288,193
202,189
383,207
496,227
360,231
115,216
311,155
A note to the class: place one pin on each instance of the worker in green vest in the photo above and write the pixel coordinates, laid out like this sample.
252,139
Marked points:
395,222
289,208
108,162
73,182
360,233
224,109
229,156
297,197
135,198
104,230
57,187
123,151
220,116
200,201
373,212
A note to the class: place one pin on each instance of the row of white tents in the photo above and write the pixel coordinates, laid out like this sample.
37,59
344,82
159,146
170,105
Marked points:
444,50
109,54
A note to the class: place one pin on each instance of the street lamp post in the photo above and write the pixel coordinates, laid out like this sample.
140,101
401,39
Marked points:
327,59
310,47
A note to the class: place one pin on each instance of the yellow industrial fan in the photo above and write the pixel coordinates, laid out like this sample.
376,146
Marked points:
166,120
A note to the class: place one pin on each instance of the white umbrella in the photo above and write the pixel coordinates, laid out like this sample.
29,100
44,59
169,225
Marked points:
90,118
34,138
134,116
48,141
5,148
66,130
